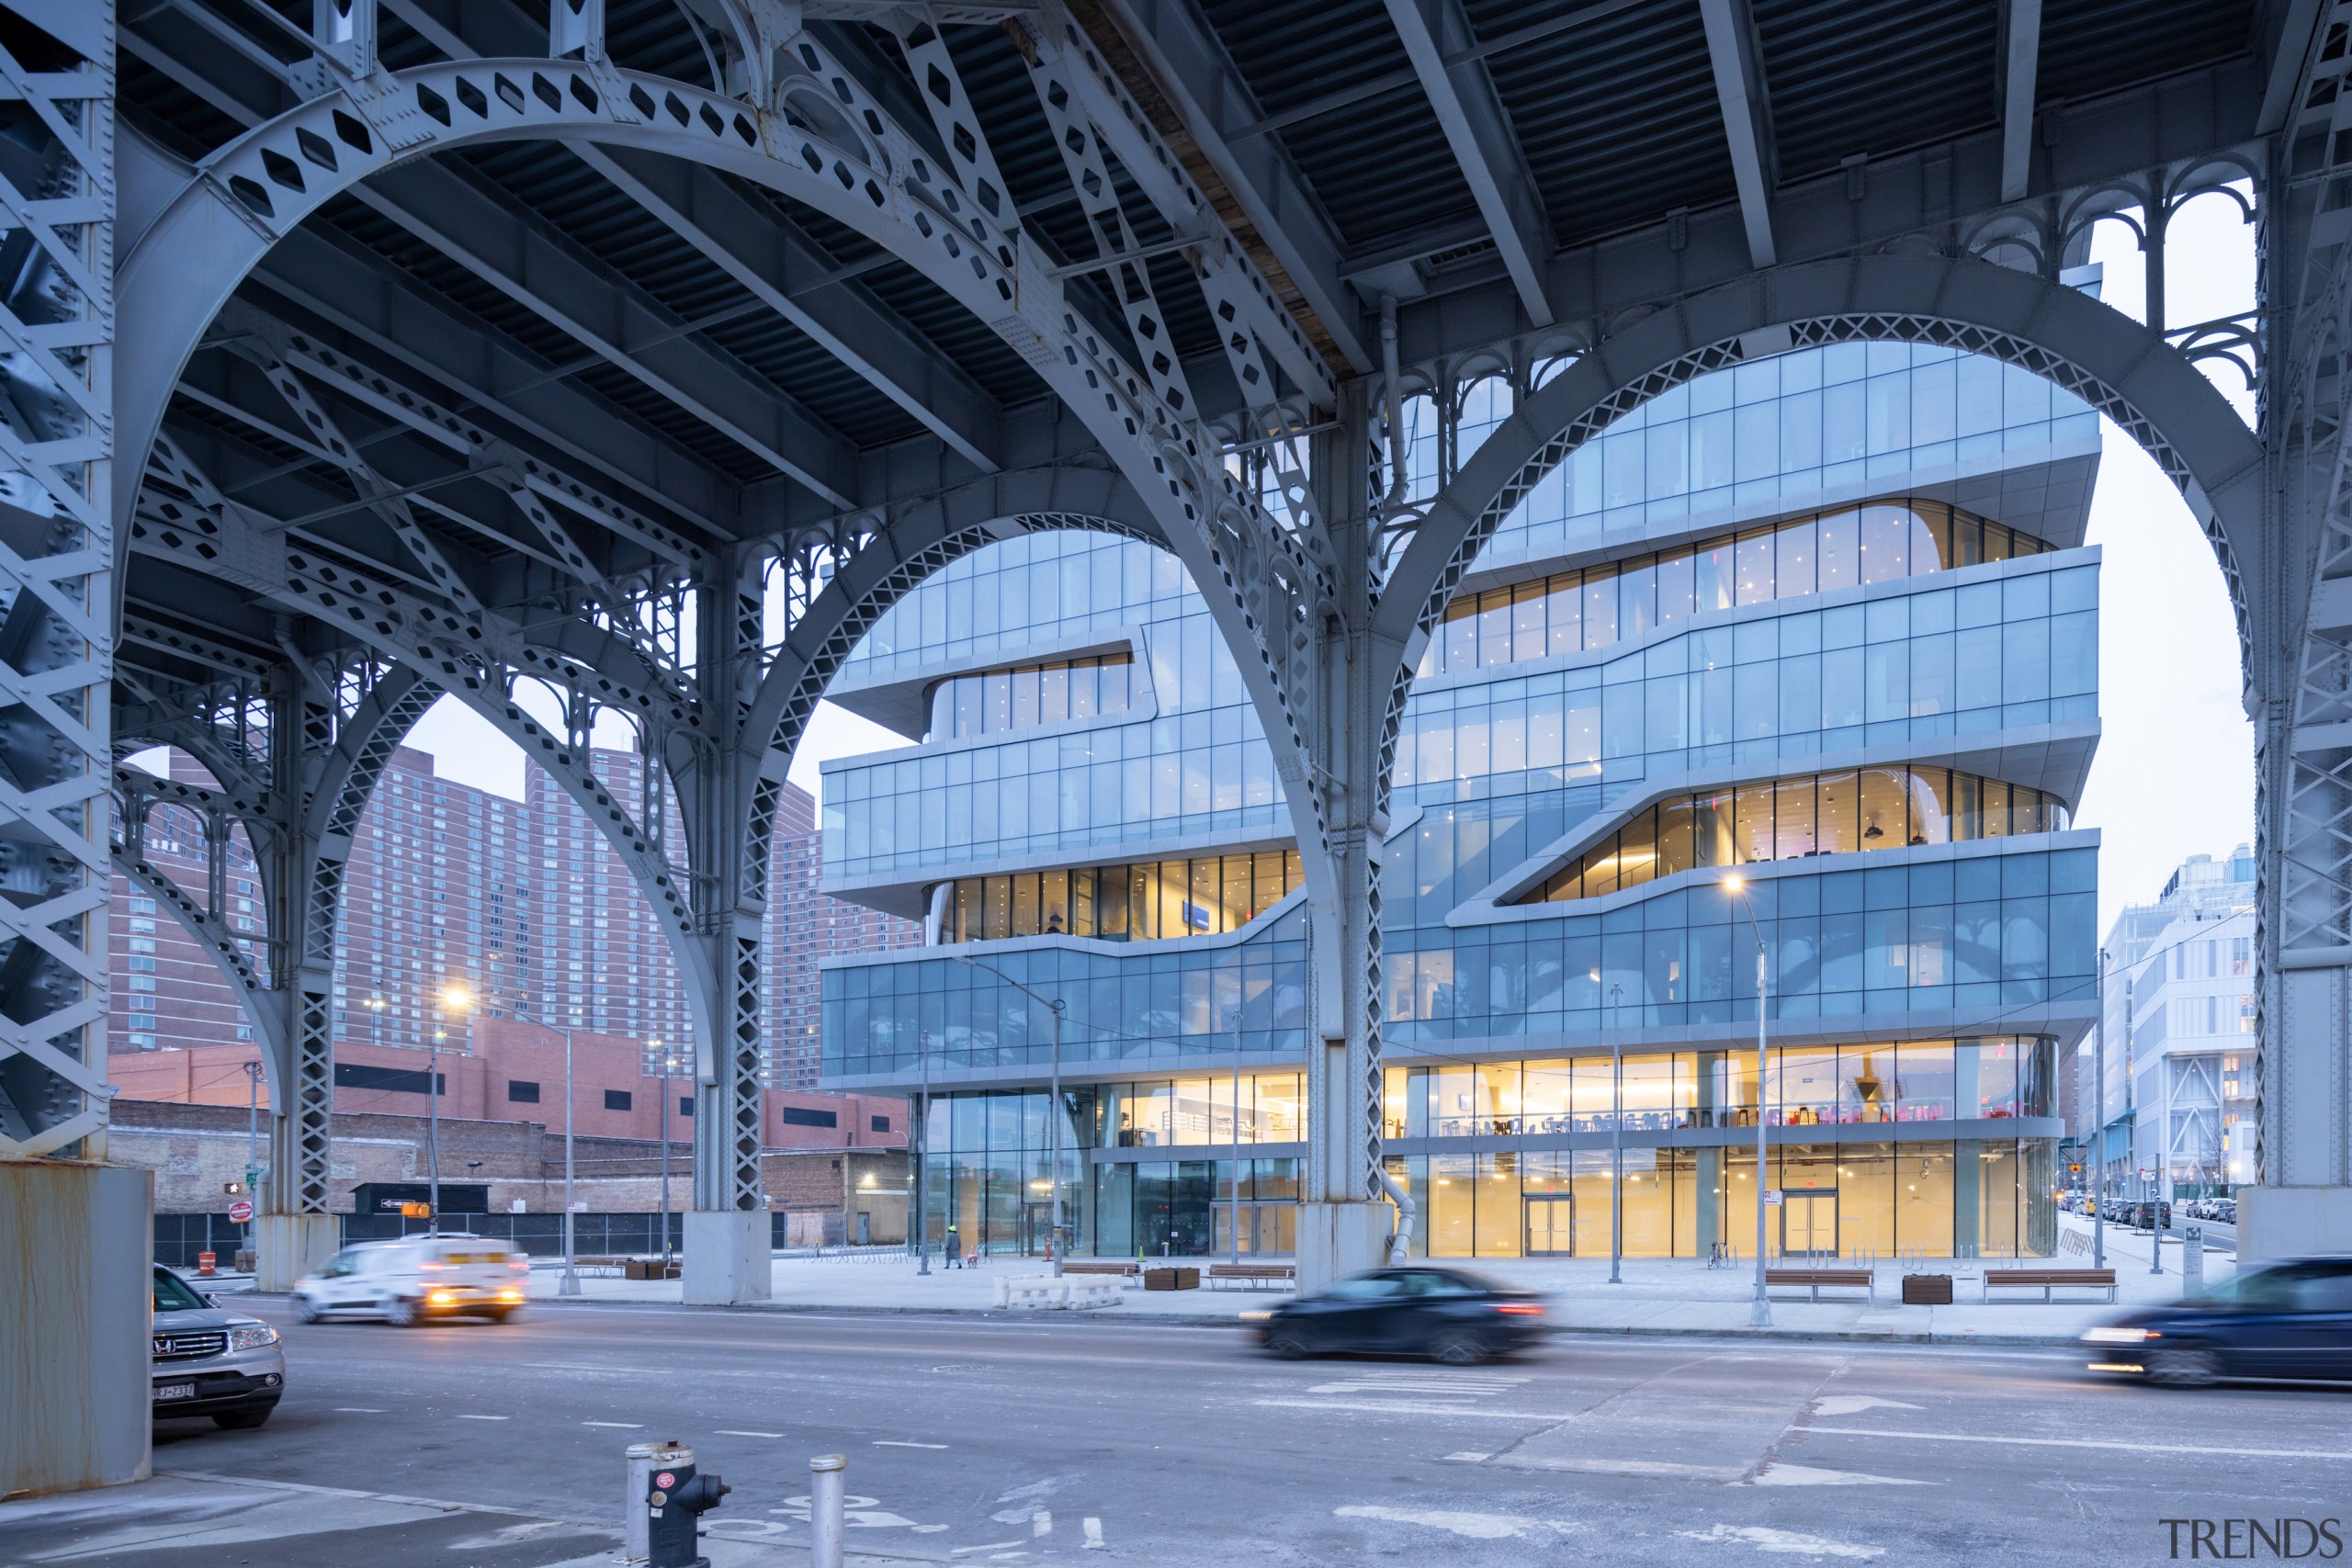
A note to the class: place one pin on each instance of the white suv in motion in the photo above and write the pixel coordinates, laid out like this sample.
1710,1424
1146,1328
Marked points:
406,1281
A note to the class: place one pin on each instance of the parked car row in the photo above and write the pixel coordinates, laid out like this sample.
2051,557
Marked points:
2224,1210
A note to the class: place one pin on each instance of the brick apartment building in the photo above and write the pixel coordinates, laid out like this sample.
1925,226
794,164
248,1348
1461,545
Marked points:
521,903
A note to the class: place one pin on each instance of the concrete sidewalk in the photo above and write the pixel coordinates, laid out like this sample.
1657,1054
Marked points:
193,1520
1676,1296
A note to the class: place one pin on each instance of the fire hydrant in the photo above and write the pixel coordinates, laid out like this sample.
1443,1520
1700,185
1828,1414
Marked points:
670,1497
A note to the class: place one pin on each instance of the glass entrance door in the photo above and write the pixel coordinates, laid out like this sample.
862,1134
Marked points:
1809,1224
1552,1226
1036,1229
1265,1227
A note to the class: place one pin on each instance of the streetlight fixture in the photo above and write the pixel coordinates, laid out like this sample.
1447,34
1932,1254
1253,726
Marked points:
1760,1312
1054,1004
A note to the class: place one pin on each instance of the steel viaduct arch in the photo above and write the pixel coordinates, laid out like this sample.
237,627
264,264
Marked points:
335,647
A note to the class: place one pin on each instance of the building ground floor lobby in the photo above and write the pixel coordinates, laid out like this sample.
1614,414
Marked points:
1943,1148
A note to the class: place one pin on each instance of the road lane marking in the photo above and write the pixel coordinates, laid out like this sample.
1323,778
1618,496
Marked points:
725,1432
1414,1407
1807,1475
1855,1404
1093,1533
895,1443
356,1410
2137,1448
1768,1540
993,1546
1468,1456
465,1418
1041,1523
1476,1527
624,1425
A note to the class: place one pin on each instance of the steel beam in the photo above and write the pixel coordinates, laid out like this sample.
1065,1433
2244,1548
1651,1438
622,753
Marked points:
1191,68
2020,65
1480,134
754,245
489,236
1739,89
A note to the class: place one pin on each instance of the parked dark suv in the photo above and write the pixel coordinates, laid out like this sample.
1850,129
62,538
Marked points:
1458,1316
2289,1320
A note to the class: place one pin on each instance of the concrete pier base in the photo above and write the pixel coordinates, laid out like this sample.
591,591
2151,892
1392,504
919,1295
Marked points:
2276,1223
76,1305
728,1255
287,1247
1336,1240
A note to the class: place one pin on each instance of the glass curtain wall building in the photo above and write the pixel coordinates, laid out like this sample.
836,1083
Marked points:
1826,619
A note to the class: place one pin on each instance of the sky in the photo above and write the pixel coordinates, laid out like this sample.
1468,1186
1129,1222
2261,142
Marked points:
2174,774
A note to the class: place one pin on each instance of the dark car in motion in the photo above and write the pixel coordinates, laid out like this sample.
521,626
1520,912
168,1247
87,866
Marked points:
2286,1320
1453,1314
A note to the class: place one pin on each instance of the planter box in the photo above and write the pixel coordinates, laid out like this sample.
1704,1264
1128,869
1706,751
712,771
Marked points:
1927,1290
1171,1278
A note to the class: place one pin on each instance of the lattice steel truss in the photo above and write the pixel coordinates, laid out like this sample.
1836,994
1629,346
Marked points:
56,572
609,365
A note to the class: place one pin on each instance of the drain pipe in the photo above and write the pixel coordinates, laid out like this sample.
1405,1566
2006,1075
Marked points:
1399,1245
1395,384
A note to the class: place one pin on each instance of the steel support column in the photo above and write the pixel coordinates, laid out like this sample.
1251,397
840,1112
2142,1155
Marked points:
727,842
80,1317
1342,1221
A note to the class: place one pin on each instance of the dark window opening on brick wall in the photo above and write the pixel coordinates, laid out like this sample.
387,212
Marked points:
881,1124
395,1080
618,1099
686,1105
521,1091
802,1116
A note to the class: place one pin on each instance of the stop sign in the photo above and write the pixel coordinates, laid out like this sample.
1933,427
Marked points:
240,1212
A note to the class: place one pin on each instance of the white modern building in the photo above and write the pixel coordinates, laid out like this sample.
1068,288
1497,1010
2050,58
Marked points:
2180,1021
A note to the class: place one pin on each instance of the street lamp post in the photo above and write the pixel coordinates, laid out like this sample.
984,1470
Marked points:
922,1168
668,1065
1054,1004
455,999
570,1284
1759,1312
433,1132
2098,1123
1616,1137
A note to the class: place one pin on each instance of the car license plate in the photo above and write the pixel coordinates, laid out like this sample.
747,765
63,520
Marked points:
175,1391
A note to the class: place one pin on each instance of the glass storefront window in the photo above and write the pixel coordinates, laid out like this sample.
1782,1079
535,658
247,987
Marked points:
1023,698
1153,902
1570,611
1798,819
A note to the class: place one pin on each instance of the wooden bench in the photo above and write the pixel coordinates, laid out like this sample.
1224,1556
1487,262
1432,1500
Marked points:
1253,1273
1124,1270
1815,1279
2050,1279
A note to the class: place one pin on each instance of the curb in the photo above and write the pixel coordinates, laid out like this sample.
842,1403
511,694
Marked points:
1561,1330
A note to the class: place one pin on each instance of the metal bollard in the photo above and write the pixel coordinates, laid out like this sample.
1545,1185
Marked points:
828,1489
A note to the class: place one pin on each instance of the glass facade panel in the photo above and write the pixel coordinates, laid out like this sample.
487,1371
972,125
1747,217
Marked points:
1723,627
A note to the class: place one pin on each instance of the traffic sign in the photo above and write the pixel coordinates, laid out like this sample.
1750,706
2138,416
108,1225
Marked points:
240,1212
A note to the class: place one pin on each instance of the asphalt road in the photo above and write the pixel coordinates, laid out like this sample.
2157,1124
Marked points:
973,1440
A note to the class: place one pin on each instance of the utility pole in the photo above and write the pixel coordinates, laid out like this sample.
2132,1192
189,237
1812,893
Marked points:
1235,1194
1054,1004
668,1061
922,1168
433,1134
1617,1137
1760,1312
2099,1122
